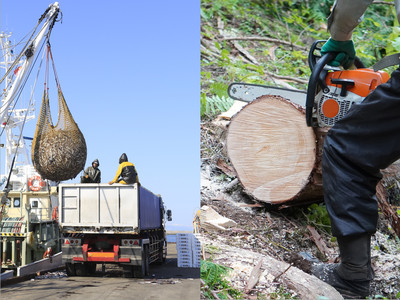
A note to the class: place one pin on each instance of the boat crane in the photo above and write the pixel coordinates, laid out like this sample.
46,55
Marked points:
28,215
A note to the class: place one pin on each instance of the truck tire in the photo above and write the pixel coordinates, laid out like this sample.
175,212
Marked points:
142,270
162,253
70,269
81,270
90,267
128,271
146,259
138,271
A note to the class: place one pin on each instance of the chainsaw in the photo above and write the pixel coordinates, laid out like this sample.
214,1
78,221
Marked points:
331,91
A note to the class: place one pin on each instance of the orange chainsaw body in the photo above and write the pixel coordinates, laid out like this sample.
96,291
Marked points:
345,88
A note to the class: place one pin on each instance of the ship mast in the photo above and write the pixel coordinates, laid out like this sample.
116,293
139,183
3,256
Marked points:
16,117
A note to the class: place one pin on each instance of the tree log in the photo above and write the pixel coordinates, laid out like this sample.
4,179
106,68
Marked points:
275,155
305,285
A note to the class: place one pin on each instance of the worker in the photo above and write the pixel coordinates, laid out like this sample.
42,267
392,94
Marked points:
92,174
356,148
126,173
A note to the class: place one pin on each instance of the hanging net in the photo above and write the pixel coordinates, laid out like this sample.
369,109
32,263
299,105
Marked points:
58,152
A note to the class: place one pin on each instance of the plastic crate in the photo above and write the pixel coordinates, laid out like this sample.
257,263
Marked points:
196,265
185,265
188,248
185,253
183,247
195,239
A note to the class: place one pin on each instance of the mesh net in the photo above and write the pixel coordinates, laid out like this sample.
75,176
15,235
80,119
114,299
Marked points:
58,152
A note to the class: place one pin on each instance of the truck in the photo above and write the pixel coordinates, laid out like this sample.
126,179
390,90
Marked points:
121,224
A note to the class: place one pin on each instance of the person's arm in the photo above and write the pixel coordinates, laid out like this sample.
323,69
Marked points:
345,16
117,175
86,173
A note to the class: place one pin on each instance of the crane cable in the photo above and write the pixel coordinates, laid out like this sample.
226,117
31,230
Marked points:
23,85
16,61
6,188
26,48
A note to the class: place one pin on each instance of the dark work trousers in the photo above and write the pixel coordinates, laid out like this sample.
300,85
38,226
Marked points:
356,148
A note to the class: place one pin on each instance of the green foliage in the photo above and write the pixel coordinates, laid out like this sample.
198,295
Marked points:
318,216
213,105
296,21
213,276
281,294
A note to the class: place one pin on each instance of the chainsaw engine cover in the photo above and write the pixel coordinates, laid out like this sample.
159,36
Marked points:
345,88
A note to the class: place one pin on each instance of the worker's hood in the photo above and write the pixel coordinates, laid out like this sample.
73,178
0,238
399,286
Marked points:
123,158
96,161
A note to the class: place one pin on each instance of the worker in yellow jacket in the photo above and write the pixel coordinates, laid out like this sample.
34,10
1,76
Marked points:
126,173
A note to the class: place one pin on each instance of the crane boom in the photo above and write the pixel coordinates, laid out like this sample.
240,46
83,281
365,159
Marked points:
51,15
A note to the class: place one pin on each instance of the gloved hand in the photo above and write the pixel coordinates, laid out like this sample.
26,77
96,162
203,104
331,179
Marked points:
345,52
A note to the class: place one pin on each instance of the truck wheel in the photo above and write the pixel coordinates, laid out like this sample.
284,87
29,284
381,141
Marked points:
70,268
165,252
146,259
143,269
81,270
138,271
128,271
90,267
162,253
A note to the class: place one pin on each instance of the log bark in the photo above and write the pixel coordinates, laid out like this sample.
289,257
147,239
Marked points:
275,155
390,178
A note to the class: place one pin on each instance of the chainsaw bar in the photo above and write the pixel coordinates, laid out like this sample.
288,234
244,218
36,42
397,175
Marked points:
249,92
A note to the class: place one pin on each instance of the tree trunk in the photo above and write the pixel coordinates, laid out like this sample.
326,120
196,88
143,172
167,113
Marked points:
277,158
275,154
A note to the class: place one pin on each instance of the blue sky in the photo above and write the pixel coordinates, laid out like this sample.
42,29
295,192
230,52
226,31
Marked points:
130,74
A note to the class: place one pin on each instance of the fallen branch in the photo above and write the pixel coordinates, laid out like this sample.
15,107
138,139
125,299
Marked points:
288,78
383,2
254,277
246,54
208,288
207,52
224,167
319,242
277,277
264,39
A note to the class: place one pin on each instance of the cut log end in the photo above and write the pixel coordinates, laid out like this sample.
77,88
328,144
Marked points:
272,149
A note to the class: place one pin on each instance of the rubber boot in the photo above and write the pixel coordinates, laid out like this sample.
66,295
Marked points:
352,276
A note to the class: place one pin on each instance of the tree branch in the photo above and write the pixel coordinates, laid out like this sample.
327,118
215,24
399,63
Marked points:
264,39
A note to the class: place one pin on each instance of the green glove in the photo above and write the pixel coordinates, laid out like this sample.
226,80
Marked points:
345,52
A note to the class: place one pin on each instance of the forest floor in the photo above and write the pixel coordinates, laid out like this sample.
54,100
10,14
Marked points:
281,233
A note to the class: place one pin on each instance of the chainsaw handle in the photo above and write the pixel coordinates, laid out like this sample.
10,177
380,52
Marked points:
313,84
313,57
